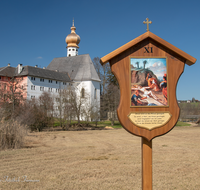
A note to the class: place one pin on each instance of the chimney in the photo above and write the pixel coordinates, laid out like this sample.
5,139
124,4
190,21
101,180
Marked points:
44,67
36,66
19,68
8,64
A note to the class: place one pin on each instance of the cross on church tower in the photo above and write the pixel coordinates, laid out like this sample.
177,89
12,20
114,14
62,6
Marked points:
147,22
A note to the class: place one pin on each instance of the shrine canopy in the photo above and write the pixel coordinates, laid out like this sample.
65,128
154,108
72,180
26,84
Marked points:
186,58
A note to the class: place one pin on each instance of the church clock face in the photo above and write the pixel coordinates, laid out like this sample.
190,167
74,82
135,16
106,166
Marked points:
148,81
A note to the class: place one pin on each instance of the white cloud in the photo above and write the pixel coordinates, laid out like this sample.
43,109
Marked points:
39,57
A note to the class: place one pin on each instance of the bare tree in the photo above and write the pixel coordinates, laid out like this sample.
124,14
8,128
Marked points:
103,72
64,107
38,113
12,97
79,101
111,101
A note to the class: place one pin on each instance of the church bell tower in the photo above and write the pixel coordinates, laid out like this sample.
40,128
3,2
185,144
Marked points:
72,41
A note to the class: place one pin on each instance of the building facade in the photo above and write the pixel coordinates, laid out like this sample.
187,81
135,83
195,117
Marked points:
73,70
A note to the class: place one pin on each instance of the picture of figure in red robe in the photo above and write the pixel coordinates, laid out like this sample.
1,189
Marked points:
163,86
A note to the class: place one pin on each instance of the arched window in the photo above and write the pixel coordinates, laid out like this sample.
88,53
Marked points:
82,93
95,93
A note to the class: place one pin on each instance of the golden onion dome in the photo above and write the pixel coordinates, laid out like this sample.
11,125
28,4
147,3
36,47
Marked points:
73,39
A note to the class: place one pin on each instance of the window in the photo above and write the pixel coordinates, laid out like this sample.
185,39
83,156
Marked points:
73,49
0,78
64,83
82,93
50,89
0,86
57,99
69,49
41,80
50,81
32,78
32,87
56,82
32,97
95,93
5,87
64,99
41,88
5,96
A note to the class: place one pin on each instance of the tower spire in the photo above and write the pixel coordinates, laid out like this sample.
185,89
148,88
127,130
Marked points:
72,41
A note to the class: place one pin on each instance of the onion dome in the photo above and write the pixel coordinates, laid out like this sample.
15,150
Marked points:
73,39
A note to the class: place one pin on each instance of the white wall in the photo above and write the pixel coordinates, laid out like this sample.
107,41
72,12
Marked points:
46,84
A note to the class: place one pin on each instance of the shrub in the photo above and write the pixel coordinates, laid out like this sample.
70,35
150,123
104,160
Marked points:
12,134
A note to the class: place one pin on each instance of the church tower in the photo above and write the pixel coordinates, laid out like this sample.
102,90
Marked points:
72,41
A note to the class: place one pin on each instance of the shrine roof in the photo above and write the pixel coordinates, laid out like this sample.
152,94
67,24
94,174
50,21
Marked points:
189,60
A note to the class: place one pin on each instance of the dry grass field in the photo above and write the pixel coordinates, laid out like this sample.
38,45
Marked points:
104,159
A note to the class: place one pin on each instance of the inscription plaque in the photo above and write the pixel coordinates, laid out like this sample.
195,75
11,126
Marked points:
149,120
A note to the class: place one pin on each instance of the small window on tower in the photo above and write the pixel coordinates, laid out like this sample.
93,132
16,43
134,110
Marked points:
69,55
73,49
69,49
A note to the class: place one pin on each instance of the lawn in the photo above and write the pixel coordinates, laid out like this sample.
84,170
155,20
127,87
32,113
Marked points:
101,159
116,124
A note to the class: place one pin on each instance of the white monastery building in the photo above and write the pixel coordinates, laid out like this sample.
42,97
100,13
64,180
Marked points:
72,70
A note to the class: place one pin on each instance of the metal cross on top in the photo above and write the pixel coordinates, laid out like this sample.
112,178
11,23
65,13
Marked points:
147,22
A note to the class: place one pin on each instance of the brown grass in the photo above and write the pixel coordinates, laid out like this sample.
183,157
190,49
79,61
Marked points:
12,134
105,160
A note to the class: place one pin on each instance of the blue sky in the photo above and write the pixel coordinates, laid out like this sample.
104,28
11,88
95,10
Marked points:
33,32
158,65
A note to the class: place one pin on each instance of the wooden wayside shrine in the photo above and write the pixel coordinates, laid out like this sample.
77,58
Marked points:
147,70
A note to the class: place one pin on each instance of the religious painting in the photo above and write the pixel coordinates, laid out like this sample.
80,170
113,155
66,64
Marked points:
148,79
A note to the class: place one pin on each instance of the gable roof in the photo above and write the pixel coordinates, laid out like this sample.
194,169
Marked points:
80,67
189,60
36,72
44,73
7,71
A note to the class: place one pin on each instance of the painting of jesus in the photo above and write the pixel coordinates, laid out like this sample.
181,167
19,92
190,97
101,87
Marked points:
148,82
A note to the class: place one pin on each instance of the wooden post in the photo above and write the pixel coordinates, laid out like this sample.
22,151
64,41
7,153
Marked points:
146,164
